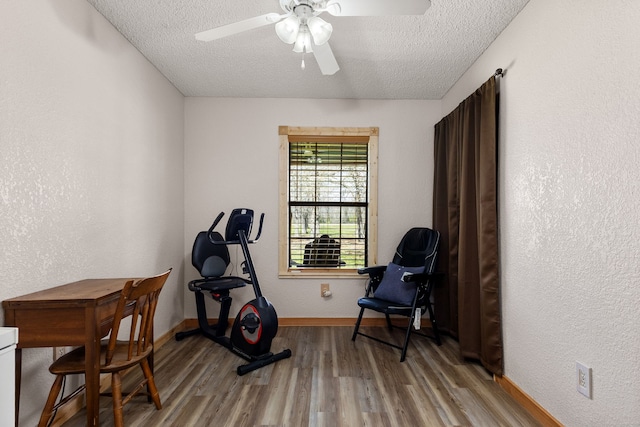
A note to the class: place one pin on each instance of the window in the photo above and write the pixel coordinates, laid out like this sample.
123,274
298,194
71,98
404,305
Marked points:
328,200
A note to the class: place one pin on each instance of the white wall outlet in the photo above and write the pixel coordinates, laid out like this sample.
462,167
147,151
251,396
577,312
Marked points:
583,378
325,291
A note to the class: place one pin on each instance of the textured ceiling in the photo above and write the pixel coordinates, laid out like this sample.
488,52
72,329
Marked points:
385,57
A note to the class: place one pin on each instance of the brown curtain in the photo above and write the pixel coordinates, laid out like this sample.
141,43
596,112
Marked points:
465,211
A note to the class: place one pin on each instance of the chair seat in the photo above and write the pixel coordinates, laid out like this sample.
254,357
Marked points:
384,306
74,361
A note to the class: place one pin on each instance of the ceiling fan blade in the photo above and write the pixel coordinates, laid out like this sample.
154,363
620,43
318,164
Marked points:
325,59
238,27
377,7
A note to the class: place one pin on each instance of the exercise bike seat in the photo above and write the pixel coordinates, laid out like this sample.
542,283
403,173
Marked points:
211,260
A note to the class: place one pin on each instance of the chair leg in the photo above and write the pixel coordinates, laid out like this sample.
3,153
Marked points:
407,336
355,330
116,392
51,401
389,324
434,325
151,384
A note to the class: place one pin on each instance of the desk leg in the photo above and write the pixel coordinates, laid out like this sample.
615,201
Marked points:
18,381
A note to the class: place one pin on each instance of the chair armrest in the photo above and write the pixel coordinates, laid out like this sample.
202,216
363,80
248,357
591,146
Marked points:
376,270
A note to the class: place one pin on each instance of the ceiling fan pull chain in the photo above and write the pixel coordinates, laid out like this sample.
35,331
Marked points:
302,64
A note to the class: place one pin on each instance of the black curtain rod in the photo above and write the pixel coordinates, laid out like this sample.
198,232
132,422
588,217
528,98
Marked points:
499,73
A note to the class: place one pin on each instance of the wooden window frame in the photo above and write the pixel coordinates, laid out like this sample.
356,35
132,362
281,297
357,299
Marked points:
285,132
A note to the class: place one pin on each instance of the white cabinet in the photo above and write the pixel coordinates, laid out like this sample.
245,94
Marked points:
8,341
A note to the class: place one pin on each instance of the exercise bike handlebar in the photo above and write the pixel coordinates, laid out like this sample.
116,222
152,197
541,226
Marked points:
259,229
215,223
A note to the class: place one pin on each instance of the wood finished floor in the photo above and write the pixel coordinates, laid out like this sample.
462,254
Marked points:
329,381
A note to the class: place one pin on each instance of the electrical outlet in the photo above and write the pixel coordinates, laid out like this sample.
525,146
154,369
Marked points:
583,378
325,291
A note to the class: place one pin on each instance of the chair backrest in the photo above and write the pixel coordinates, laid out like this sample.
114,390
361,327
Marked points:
210,259
323,251
138,298
418,247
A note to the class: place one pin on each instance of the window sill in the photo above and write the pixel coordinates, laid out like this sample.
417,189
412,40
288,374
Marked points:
319,273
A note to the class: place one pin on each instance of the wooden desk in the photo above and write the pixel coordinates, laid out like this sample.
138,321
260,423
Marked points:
74,314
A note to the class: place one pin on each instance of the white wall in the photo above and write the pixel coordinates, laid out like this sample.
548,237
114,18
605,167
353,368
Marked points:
91,173
570,197
231,160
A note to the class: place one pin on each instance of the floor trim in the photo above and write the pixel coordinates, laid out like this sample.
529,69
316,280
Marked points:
534,408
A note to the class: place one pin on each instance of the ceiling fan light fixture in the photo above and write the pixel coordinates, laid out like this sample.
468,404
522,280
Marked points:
320,30
303,41
288,29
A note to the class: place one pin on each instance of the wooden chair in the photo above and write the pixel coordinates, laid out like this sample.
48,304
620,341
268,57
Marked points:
138,299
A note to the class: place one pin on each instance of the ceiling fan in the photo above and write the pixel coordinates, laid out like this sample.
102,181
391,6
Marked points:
301,26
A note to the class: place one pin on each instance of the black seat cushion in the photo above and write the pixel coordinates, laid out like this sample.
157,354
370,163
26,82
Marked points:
383,306
218,284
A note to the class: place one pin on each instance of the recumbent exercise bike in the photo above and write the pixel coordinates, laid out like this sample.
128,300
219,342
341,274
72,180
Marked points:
256,324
